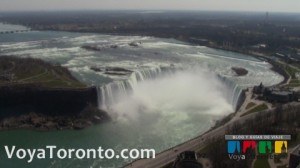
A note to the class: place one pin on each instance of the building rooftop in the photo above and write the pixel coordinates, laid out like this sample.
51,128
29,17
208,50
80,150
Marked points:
282,93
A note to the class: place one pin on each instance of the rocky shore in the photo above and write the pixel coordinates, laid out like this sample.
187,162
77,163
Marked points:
38,95
49,109
42,122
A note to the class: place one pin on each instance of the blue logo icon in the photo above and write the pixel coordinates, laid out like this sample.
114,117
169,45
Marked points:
233,147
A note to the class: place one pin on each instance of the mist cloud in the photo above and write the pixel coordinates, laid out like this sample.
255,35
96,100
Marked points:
183,93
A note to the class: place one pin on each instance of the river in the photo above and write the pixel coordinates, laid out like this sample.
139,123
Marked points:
176,91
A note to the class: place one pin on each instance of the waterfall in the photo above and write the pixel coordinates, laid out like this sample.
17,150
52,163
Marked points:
110,94
234,91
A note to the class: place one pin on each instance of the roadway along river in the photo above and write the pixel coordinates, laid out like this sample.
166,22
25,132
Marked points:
159,111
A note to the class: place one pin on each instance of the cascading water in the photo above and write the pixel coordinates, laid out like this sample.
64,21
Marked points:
111,93
159,111
234,91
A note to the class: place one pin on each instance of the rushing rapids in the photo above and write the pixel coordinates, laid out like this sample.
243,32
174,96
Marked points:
155,107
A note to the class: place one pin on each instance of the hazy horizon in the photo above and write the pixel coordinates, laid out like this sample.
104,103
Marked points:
200,5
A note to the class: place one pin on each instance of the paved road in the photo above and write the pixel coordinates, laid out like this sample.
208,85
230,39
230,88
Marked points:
169,155
197,143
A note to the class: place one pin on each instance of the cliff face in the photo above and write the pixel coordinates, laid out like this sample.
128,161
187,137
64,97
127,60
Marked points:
34,107
23,98
36,94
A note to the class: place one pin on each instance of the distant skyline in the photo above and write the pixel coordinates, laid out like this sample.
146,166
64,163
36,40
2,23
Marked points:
210,5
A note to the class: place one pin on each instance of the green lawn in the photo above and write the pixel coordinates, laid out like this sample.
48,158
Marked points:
250,105
291,70
258,108
261,163
35,71
294,83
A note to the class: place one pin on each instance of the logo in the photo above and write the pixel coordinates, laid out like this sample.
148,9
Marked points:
234,150
265,147
247,145
233,147
240,146
281,147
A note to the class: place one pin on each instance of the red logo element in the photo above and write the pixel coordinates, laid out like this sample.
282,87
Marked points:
248,145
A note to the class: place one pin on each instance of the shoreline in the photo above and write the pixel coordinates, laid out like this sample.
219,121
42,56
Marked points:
232,115
38,95
199,138
42,122
262,57
28,106
259,56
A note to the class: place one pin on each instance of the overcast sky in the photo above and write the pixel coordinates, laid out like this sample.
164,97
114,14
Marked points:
221,5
